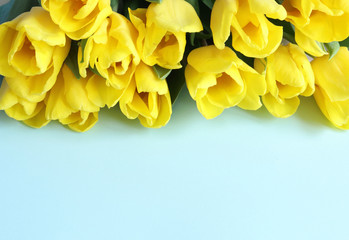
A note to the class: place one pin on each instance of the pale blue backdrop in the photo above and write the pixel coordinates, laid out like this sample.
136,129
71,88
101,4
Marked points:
242,176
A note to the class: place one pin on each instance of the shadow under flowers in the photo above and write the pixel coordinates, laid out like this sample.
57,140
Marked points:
308,116
310,113
113,118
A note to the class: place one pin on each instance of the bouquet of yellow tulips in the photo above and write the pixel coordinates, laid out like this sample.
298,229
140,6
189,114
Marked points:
66,59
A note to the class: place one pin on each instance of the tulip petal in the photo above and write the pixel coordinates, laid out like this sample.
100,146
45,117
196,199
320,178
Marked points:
268,7
332,76
281,108
75,92
174,15
222,15
87,124
101,94
207,109
336,112
198,83
256,86
215,61
56,105
38,121
148,81
309,45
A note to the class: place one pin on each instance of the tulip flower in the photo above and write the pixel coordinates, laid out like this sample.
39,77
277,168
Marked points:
253,34
162,31
68,102
79,19
31,113
288,75
147,98
112,52
332,87
323,21
218,79
32,53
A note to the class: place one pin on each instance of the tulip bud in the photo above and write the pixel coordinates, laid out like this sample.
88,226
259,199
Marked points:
31,113
68,102
147,98
112,52
162,31
288,75
79,19
253,34
218,79
323,21
32,53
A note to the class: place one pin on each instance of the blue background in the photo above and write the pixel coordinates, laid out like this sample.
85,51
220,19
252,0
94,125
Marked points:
243,175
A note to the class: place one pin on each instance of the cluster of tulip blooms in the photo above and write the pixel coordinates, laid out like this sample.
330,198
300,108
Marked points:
66,59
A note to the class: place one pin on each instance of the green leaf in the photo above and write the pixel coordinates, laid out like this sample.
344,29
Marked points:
205,17
21,6
332,48
208,3
72,59
4,11
192,38
289,37
175,82
161,72
133,5
83,45
345,43
115,5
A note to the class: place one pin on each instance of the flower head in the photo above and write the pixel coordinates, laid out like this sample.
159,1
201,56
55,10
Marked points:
253,34
323,21
162,29
32,53
218,79
147,98
79,19
112,52
288,75
69,103
31,113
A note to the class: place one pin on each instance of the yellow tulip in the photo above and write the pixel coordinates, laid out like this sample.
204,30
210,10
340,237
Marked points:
31,113
32,53
147,98
311,46
332,87
252,33
69,103
288,75
218,79
112,52
79,19
162,29
323,21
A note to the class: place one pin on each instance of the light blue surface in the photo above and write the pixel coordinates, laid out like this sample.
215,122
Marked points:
243,175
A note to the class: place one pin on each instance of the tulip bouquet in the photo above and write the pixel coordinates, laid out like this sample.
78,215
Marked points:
66,59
